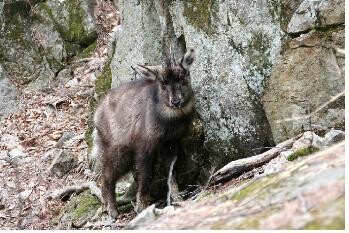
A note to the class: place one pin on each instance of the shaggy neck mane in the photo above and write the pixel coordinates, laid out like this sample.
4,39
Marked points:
166,113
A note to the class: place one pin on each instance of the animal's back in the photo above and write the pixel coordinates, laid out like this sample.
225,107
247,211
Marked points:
121,116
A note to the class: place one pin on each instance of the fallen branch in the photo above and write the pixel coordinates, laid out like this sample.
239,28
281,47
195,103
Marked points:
92,186
238,167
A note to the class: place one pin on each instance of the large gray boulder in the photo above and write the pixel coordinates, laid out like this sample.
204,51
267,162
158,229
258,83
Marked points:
306,88
237,43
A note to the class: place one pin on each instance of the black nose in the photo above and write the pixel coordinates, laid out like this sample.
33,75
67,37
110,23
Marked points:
175,103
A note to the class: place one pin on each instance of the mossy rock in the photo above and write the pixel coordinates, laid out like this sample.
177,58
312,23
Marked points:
83,207
78,209
102,85
73,20
18,53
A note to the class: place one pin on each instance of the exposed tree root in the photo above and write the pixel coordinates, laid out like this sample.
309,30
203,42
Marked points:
238,167
91,185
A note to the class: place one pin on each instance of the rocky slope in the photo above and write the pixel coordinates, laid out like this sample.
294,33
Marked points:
266,71
305,194
42,127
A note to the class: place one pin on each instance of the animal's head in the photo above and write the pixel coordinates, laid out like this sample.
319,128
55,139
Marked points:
174,84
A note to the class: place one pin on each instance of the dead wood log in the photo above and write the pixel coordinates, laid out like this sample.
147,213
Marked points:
238,167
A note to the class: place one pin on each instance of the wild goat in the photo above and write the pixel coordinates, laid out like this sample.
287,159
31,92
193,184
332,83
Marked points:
134,120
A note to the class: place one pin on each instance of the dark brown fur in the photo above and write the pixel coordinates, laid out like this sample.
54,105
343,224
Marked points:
134,120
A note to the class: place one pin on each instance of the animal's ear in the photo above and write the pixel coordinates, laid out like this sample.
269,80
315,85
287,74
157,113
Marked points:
148,72
188,59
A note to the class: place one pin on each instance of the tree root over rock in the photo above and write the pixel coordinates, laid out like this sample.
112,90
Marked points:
238,167
63,193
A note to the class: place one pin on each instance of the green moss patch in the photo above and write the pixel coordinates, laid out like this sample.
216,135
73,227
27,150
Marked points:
201,14
85,204
102,85
87,52
250,223
73,32
302,152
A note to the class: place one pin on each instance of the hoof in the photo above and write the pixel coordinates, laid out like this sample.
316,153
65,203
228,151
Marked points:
112,212
140,207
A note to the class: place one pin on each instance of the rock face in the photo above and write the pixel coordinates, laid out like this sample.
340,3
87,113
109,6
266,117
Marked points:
305,194
318,13
8,95
310,74
306,87
19,55
228,76
34,44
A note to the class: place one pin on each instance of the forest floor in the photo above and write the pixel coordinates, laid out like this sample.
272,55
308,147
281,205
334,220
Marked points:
49,120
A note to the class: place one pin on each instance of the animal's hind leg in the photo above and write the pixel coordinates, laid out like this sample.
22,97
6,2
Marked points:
109,178
94,158
115,164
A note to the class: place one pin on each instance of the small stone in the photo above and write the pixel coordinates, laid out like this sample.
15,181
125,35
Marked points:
3,195
9,95
17,157
51,154
333,137
9,141
287,153
11,184
304,17
311,14
65,137
64,74
3,155
16,153
146,215
25,194
72,83
62,164
308,139
167,210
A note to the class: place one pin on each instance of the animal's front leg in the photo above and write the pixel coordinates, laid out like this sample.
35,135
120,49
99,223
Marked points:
144,177
174,156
